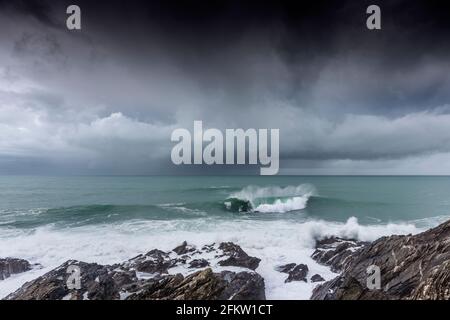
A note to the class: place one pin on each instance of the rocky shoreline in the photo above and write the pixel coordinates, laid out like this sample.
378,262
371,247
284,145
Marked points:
411,267
11,266
147,276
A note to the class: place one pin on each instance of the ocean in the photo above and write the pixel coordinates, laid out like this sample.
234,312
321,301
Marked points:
109,219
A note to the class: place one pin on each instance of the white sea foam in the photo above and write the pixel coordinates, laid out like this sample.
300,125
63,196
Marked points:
274,242
280,206
163,205
255,192
276,199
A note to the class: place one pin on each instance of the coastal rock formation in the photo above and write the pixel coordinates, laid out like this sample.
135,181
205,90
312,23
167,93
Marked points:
198,263
9,266
204,285
317,278
154,261
411,267
237,257
148,276
336,252
296,272
183,249
96,283
285,268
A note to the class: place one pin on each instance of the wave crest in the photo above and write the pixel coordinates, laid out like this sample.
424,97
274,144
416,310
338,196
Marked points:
272,199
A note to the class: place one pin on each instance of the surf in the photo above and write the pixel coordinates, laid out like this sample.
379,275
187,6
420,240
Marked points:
271,199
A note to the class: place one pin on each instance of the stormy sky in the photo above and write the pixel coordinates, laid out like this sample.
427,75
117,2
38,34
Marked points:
105,99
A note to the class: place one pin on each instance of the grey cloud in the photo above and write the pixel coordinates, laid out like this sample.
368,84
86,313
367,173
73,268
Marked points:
106,99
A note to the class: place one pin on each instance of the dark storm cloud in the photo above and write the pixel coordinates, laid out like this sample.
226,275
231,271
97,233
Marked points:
323,45
342,96
214,40
40,10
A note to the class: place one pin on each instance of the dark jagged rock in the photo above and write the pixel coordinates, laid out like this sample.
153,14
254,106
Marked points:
237,257
110,283
154,261
317,278
336,252
198,263
243,286
97,282
411,267
183,249
286,267
205,285
9,266
146,277
347,288
298,273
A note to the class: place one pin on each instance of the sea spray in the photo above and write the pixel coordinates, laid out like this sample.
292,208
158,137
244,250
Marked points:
272,199
274,242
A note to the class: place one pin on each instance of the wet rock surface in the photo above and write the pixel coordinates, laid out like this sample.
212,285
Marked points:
298,273
155,261
317,278
336,252
411,267
198,263
184,248
204,285
237,257
9,266
149,276
286,267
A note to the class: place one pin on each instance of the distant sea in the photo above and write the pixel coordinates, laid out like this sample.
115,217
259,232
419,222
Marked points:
48,220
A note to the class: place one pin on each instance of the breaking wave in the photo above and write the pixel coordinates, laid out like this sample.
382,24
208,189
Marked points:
270,199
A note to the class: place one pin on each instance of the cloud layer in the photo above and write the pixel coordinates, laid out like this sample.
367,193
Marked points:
105,100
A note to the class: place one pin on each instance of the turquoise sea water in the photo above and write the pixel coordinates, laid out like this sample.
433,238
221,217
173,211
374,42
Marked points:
48,220
30,202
